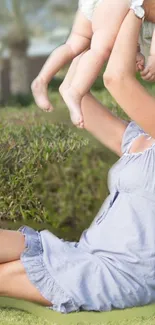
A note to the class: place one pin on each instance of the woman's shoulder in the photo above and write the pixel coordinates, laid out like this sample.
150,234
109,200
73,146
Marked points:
132,131
136,140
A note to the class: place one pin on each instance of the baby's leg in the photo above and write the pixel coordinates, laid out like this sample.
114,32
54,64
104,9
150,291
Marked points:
68,81
107,20
70,75
77,42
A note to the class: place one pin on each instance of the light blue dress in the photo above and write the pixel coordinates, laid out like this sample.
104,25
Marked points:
113,264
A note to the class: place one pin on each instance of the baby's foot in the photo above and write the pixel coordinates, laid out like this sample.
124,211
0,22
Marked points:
73,101
40,93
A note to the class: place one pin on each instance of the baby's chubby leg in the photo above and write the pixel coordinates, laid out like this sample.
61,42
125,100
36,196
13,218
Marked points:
78,41
70,75
74,114
107,19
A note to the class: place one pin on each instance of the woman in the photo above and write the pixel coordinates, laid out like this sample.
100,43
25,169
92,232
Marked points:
113,264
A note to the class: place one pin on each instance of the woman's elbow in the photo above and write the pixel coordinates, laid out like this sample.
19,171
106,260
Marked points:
111,80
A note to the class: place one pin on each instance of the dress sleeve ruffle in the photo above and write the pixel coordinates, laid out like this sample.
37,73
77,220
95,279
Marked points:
132,132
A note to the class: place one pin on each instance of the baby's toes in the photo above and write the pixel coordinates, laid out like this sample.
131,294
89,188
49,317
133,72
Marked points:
49,108
81,125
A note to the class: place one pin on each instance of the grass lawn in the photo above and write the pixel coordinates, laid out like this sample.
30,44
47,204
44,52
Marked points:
15,317
10,316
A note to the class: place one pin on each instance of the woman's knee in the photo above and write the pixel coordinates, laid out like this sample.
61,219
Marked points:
13,243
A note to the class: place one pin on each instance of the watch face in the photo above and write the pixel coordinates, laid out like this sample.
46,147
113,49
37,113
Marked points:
139,11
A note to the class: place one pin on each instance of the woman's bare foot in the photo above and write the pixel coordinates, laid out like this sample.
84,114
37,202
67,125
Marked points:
40,93
73,101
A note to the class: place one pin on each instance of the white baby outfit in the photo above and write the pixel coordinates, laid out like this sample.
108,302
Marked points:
88,7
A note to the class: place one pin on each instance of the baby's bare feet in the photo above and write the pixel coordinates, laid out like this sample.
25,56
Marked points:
73,101
40,93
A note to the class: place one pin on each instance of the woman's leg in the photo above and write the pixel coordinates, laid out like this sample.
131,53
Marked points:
12,244
13,279
107,20
14,283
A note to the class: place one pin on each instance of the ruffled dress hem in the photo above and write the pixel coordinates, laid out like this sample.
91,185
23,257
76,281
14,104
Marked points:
39,276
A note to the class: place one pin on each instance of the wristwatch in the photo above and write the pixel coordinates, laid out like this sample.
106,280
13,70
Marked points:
139,11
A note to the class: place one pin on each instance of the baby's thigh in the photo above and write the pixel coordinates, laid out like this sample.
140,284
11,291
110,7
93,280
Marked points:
82,26
108,17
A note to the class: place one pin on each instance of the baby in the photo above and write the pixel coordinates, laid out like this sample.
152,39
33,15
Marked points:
94,31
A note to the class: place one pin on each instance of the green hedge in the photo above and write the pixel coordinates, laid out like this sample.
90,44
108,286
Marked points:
73,191
50,174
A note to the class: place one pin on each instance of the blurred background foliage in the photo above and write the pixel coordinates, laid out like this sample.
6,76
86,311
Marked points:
22,21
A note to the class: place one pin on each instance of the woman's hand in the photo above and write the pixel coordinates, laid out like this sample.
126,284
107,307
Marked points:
140,62
148,73
149,7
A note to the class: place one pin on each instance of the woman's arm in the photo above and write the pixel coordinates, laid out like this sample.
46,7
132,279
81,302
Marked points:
99,121
120,76
102,124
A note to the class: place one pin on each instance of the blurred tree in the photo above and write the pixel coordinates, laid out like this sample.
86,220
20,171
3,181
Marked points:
64,10
1,69
19,20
